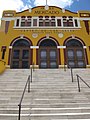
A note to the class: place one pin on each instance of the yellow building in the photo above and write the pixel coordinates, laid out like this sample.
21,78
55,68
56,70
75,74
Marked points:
47,37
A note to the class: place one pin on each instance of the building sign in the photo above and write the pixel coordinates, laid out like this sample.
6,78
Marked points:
50,10
47,12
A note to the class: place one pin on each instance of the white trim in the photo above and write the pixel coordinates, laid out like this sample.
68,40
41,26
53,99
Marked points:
56,21
73,36
39,115
8,18
61,22
32,22
88,65
22,36
48,26
53,28
50,39
19,39
30,10
61,47
10,47
84,47
63,10
32,47
84,18
73,22
19,22
7,66
76,108
36,66
75,39
59,114
78,22
14,115
62,66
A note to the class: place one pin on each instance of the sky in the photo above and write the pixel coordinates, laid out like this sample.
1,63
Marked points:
19,5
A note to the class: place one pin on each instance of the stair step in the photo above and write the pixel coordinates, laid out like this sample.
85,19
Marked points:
53,96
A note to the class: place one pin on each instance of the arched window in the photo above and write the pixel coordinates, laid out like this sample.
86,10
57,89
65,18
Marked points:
67,21
53,23
48,43
74,43
26,21
21,43
41,21
23,22
47,21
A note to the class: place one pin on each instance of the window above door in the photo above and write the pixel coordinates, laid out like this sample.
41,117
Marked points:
47,21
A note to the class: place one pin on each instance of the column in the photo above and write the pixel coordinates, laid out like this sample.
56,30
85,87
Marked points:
88,56
61,48
34,56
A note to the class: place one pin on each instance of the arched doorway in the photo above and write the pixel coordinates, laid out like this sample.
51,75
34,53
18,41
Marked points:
48,54
75,54
21,54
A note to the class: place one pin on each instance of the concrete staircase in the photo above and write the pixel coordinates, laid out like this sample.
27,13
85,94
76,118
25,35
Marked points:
53,96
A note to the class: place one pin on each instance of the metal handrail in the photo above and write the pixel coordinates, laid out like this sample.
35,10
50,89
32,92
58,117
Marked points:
33,67
31,73
68,66
3,61
78,80
27,83
32,70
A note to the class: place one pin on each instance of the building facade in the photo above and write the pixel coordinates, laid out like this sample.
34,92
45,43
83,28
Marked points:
48,37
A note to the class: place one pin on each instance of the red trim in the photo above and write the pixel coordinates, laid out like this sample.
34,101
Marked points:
31,61
9,58
37,50
17,38
3,48
47,38
59,55
86,57
65,58
77,38
86,22
7,26
89,48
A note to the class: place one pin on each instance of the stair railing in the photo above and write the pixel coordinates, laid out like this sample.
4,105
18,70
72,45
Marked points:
33,67
3,62
32,70
31,73
71,69
20,103
78,81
